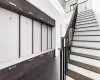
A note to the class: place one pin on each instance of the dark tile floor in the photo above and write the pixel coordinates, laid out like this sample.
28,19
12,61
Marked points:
51,70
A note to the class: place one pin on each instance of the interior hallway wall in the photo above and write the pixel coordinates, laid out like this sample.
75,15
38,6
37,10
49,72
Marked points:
95,6
47,7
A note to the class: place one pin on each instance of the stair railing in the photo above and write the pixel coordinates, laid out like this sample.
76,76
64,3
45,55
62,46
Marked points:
66,42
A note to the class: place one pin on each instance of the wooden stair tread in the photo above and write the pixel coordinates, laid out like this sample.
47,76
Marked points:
85,66
85,23
76,76
86,27
85,55
85,41
85,47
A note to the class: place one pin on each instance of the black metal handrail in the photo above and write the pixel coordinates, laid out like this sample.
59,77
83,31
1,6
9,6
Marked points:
65,45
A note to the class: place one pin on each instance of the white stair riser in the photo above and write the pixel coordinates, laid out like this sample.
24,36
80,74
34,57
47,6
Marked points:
87,44
86,51
84,60
88,28
85,19
89,38
88,33
87,73
86,25
86,22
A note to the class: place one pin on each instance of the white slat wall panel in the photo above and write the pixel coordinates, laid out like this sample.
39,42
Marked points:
26,36
9,35
49,37
44,37
37,37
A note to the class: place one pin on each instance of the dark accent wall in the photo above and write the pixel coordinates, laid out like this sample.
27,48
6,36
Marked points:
24,8
25,69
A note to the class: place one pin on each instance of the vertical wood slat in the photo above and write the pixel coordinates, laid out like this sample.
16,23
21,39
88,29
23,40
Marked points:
41,36
51,38
32,36
47,37
19,36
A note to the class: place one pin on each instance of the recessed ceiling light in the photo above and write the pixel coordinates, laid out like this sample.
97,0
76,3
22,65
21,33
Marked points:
30,13
12,3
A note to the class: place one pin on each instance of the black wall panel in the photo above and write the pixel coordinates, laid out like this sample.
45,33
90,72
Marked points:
27,70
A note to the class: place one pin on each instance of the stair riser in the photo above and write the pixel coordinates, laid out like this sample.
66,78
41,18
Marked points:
87,44
85,19
84,60
86,51
86,25
86,22
88,33
87,73
85,29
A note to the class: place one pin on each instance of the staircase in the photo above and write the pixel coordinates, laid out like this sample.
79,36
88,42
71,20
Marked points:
84,61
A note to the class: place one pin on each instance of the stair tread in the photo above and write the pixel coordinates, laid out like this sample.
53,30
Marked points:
89,13
86,35
76,76
78,18
88,30
81,16
86,27
85,12
85,47
86,55
85,41
85,18
85,23
85,66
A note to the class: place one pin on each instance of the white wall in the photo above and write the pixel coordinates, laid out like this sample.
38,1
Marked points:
65,23
9,40
95,6
82,6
